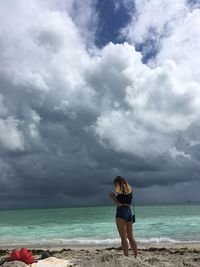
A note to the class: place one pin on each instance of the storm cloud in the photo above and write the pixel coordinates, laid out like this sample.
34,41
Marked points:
73,116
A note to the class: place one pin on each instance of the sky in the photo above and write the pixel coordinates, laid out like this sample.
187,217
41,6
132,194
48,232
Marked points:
94,89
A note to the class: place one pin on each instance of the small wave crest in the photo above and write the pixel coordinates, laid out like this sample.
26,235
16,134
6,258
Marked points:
163,239
85,241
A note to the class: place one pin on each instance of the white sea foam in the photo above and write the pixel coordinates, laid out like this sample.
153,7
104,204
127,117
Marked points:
86,241
98,242
163,239
116,241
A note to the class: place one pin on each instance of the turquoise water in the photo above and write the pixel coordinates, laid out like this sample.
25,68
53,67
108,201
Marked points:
96,225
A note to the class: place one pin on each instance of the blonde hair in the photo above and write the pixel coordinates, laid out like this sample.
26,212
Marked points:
122,186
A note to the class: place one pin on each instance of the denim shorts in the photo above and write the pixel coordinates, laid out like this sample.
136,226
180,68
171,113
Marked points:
124,212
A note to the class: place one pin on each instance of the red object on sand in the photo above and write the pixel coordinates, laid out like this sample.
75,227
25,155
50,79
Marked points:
23,255
23,252
15,256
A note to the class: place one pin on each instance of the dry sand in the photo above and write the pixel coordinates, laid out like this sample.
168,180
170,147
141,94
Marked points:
165,256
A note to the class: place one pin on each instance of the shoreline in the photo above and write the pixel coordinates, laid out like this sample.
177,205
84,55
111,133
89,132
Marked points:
141,245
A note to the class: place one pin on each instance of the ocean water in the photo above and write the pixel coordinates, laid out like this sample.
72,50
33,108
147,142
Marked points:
96,225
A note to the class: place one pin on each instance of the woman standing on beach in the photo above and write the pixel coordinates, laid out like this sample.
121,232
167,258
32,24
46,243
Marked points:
124,218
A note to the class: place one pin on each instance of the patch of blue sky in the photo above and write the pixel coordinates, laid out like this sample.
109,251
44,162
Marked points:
112,18
194,3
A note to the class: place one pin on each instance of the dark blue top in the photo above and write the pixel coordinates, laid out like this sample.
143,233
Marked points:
124,199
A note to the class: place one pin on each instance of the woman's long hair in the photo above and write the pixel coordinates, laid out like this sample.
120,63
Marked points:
122,186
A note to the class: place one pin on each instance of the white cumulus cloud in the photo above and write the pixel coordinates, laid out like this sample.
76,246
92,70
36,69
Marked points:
10,137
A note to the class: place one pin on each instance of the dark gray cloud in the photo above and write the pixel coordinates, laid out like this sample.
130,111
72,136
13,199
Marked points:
72,117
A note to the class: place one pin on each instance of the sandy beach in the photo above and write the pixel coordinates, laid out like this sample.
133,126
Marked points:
151,255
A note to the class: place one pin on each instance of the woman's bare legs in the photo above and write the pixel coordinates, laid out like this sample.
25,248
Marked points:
121,226
131,239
